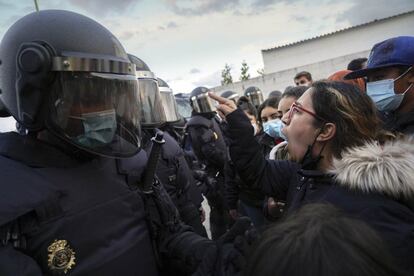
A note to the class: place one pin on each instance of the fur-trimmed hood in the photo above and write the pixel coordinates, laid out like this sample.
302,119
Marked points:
387,169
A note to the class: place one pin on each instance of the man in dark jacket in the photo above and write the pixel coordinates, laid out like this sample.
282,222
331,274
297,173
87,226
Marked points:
390,82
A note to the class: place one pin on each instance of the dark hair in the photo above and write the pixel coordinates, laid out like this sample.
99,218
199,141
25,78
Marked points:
244,104
320,240
305,74
356,64
295,92
353,113
270,102
275,94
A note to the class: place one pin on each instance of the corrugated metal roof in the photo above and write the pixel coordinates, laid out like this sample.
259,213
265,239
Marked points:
338,31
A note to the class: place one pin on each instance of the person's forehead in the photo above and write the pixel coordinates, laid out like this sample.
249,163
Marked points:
306,100
269,109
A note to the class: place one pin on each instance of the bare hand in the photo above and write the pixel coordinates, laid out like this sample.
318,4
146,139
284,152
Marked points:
225,106
234,214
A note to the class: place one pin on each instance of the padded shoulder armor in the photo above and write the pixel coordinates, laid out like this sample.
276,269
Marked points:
199,121
22,190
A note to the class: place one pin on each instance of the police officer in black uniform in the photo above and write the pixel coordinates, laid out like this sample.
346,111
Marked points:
70,203
208,144
255,96
65,205
175,125
172,170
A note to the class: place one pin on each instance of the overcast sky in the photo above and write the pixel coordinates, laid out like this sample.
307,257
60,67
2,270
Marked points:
188,42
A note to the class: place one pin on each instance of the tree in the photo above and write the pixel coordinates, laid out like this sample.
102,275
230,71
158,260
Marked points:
226,75
244,75
261,72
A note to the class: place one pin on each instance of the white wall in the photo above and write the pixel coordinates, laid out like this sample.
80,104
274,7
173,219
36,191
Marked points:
322,56
339,44
280,80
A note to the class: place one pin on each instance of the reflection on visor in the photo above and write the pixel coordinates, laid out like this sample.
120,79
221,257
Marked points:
152,111
203,103
97,112
170,107
256,98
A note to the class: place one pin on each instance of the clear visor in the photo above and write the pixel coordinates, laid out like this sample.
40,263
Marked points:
152,111
170,106
184,107
256,98
97,112
203,103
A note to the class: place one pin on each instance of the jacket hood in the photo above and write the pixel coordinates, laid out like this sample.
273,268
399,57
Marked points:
386,169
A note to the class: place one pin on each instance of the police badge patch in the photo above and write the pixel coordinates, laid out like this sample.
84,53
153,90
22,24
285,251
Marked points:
61,256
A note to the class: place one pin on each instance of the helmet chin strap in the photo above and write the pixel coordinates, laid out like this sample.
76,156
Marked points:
308,161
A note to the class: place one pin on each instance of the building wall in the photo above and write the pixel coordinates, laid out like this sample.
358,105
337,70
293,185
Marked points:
343,43
322,56
280,80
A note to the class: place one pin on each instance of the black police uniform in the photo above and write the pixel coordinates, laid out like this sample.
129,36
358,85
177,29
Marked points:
173,172
61,214
209,146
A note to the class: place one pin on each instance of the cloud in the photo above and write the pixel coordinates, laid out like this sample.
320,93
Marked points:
200,7
210,80
195,71
368,10
104,7
172,25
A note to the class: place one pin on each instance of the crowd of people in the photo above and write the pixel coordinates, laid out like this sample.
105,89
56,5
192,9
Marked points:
103,176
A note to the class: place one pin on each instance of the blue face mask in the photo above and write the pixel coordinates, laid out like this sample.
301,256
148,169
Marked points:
99,128
273,128
383,94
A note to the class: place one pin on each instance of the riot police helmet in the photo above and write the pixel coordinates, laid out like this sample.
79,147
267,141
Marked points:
152,111
66,73
255,96
201,102
168,102
231,95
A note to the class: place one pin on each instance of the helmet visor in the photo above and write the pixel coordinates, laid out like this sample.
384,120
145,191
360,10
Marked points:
256,98
202,103
152,111
97,112
170,106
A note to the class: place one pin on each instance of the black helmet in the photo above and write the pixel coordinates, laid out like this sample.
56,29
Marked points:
254,94
152,111
275,94
200,101
67,73
230,95
168,102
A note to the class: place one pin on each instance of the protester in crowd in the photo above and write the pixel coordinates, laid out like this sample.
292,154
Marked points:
339,76
275,94
303,78
320,240
357,64
370,179
390,82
